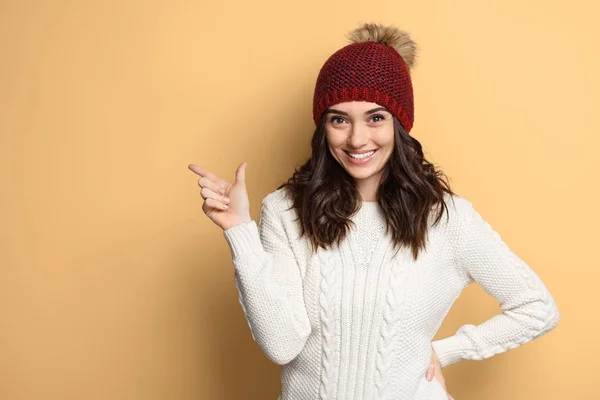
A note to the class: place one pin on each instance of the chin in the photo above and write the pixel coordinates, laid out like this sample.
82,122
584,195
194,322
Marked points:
359,173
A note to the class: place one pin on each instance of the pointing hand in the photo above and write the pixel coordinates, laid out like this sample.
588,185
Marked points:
225,204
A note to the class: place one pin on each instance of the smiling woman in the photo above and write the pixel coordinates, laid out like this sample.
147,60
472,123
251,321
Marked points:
351,269
362,136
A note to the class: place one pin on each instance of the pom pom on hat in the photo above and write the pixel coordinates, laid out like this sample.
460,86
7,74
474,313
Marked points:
387,35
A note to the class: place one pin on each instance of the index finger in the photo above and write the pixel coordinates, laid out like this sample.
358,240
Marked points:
206,173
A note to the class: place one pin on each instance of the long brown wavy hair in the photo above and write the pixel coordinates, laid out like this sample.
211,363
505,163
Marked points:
325,195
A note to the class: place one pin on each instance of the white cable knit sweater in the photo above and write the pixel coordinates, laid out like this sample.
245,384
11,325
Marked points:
357,322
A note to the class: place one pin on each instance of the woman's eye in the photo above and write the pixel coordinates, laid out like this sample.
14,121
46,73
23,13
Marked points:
381,118
336,120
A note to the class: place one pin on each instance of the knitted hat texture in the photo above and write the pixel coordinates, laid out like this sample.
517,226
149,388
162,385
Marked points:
374,67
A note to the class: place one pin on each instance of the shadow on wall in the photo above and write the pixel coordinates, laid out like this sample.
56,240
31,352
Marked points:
230,362
238,367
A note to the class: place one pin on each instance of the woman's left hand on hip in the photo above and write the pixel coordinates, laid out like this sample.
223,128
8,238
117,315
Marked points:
435,372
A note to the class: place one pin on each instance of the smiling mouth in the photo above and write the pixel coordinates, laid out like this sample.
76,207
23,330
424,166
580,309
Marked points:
361,158
361,155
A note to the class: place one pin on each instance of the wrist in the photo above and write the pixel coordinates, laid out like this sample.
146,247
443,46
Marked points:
237,222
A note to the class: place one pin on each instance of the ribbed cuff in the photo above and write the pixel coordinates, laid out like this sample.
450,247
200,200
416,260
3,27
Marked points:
243,239
451,349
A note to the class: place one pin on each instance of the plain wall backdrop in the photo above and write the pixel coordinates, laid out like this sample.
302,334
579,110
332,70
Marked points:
113,282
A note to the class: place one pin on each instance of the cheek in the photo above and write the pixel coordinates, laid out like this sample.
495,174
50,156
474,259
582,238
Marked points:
386,148
385,141
335,140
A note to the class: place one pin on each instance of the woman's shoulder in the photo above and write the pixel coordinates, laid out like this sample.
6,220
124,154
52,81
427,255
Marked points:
278,201
457,208
457,203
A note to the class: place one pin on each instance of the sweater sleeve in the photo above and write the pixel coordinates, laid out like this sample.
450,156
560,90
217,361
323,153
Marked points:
528,309
269,286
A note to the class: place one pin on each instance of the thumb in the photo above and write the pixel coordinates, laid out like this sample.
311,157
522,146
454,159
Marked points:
240,173
430,372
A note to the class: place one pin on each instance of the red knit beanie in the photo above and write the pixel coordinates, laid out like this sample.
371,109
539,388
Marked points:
374,67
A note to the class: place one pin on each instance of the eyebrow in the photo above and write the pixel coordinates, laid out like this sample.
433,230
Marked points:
332,111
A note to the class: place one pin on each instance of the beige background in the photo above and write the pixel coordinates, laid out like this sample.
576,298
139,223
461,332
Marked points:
114,284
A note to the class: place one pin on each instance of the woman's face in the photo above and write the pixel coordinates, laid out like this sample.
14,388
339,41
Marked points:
359,127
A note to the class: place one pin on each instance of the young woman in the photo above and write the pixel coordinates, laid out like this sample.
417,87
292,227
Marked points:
358,257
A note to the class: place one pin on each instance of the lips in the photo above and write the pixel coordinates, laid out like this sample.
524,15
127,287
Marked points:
360,161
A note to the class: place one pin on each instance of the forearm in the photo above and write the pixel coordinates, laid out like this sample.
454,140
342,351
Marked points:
507,330
270,293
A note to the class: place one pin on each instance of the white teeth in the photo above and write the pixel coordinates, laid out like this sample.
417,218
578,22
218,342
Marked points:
361,156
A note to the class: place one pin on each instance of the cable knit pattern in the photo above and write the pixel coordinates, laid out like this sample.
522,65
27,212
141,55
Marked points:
357,321
329,288
385,348
389,329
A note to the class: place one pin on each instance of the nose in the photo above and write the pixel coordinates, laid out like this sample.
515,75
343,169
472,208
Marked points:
359,136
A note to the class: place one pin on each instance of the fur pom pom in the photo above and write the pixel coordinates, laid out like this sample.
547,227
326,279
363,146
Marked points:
389,36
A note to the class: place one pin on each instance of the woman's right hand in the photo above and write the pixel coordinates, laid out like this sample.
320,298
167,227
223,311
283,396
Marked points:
215,192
